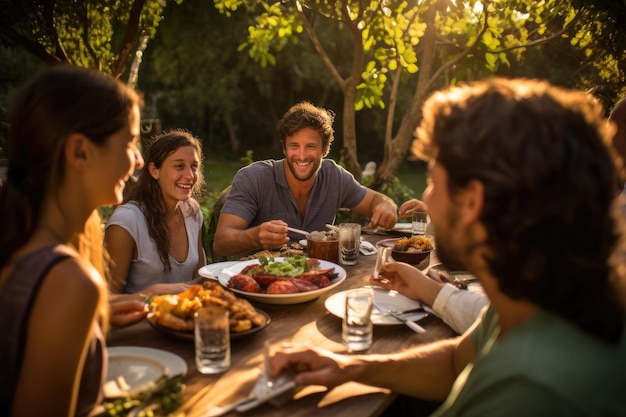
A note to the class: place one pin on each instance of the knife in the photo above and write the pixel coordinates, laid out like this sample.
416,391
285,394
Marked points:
411,325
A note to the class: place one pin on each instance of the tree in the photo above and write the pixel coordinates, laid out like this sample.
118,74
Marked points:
196,79
97,34
417,46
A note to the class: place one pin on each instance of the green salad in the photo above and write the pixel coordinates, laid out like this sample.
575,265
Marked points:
291,266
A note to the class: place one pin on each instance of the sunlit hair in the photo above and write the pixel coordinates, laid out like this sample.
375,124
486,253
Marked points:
56,103
543,156
148,194
303,115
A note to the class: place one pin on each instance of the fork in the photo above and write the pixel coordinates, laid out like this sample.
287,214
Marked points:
419,309
403,312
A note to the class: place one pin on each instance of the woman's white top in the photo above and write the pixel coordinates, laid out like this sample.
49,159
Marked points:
147,269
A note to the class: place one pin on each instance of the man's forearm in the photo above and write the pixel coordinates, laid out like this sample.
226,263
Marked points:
380,198
233,242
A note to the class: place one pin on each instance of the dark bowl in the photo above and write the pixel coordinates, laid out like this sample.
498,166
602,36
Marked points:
400,256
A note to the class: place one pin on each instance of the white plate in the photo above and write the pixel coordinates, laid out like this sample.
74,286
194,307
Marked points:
300,297
212,270
133,369
403,227
335,304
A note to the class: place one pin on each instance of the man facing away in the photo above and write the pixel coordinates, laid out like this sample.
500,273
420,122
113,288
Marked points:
522,194
303,190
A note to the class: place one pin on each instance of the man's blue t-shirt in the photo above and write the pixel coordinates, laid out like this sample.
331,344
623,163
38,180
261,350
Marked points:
260,193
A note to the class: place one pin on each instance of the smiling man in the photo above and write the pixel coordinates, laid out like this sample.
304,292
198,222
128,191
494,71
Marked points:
303,190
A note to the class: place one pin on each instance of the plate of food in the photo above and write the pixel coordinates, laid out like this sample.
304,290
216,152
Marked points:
283,280
389,299
173,314
412,250
133,369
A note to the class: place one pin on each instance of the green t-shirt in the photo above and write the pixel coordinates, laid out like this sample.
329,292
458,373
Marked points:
544,367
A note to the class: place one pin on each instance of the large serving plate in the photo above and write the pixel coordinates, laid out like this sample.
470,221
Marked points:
132,369
389,299
301,297
189,335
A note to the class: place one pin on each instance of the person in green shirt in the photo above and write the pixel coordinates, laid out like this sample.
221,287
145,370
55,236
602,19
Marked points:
522,194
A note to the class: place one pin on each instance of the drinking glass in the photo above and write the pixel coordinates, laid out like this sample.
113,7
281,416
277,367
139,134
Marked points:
212,340
349,241
357,329
384,256
419,222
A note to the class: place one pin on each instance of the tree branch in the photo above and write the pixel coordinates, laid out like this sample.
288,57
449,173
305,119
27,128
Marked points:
48,20
132,28
319,48
85,36
459,56
33,47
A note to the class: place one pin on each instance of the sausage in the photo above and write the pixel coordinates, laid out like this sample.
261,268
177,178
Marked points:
282,287
244,283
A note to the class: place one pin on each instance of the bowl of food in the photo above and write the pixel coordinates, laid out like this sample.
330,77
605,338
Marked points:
411,250
323,245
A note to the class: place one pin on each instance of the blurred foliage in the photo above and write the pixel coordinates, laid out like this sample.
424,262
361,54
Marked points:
97,34
194,77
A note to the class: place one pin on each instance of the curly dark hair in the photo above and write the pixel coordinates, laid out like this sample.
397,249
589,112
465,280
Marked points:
543,156
148,193
303,115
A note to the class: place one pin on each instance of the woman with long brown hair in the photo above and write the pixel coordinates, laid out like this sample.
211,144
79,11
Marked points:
72,146
155,238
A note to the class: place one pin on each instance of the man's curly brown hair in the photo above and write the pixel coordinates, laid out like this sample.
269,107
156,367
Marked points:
543,156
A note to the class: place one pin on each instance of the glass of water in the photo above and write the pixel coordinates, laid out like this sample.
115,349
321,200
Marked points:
212,340
357,329
419,222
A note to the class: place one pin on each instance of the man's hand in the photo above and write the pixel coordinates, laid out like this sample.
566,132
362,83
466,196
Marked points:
272,234
384,212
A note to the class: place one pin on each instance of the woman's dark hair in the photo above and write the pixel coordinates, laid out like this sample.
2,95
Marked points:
148,194
54,104
543,156
303,115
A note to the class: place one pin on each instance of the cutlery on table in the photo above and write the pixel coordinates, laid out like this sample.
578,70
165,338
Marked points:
366,248
298,231
396,315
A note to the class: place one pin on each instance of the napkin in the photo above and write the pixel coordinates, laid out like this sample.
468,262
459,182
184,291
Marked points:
366,248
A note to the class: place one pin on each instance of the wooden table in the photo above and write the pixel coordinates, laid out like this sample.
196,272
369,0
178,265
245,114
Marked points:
306,323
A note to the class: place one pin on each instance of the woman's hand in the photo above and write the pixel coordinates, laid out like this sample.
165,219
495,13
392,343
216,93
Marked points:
126,309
